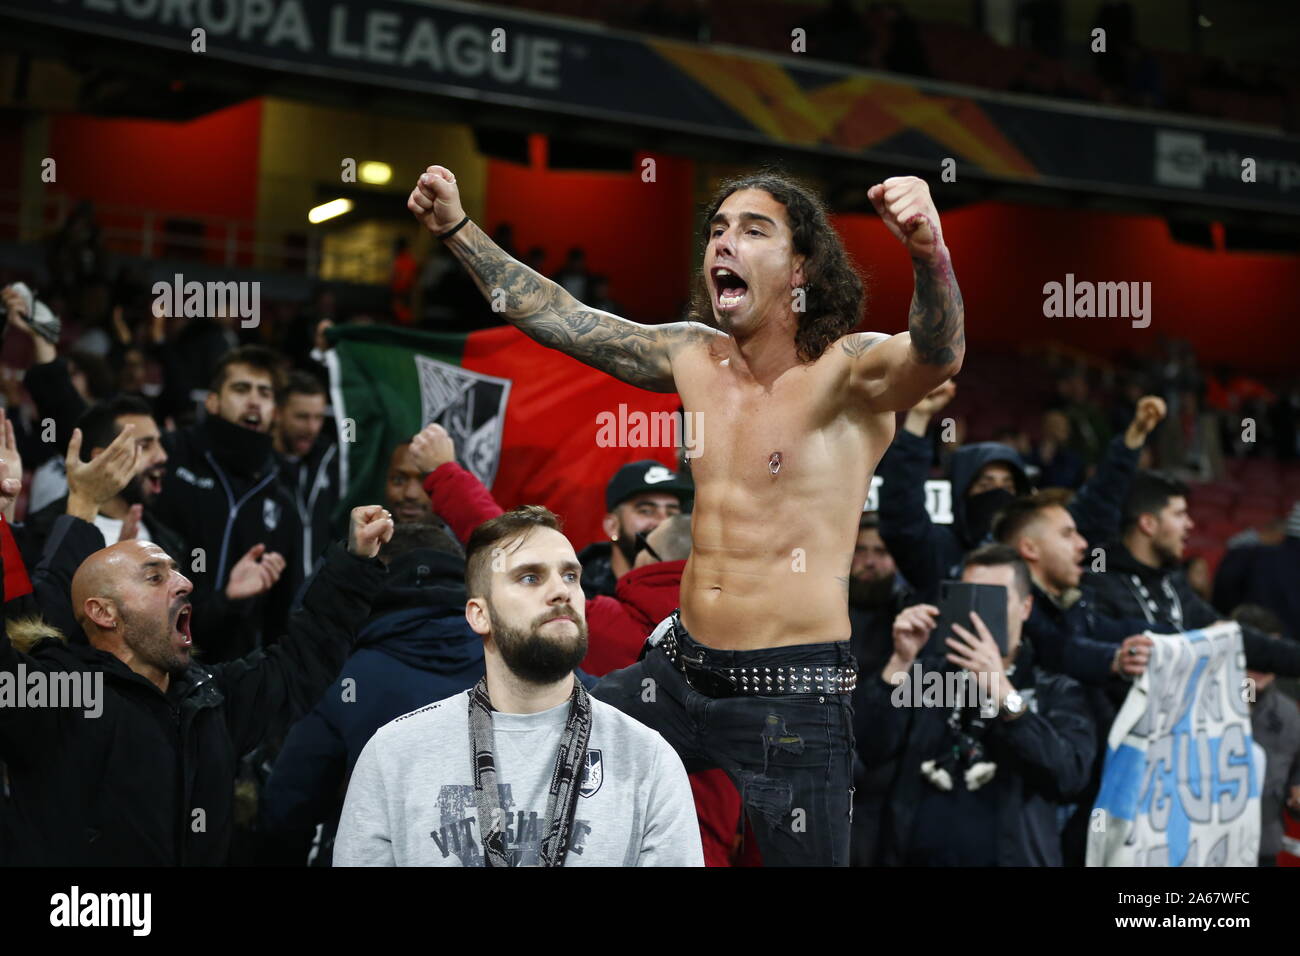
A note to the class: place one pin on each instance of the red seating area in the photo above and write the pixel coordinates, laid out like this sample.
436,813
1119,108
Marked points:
960,54
999,391
1255,493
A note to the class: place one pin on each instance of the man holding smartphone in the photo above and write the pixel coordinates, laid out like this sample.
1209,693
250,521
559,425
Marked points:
973,788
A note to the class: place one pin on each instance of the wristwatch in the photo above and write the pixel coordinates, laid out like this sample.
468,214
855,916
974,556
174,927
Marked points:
1013,706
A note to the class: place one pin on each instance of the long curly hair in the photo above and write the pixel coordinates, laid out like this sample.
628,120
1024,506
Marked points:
834,294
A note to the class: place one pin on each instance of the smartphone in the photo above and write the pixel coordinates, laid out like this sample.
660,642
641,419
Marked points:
957,599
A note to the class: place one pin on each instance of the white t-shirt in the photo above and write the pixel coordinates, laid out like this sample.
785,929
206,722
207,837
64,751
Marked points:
112,530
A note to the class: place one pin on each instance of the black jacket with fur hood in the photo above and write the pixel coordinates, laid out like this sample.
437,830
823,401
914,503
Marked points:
136,776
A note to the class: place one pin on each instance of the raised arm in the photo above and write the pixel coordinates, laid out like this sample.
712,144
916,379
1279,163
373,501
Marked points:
893,373
269,689
638,354
1099,502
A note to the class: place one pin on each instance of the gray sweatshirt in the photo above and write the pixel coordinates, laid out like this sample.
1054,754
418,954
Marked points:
411,798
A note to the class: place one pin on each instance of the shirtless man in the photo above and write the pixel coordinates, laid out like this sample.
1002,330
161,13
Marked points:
753,673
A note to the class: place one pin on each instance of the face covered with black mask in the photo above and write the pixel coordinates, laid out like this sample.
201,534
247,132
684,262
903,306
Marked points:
981,509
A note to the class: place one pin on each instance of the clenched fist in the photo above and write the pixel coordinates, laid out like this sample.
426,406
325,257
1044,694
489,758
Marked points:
432,447
904,203
435,200
371,527
1149,413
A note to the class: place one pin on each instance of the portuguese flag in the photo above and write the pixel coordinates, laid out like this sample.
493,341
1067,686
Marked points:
534,425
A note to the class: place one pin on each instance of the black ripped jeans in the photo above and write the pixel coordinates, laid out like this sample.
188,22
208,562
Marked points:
791,757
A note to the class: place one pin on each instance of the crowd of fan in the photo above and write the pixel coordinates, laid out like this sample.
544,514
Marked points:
228,470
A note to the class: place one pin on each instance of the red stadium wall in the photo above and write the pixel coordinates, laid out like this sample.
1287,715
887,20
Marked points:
637,233
1234,307
204,167
1237,308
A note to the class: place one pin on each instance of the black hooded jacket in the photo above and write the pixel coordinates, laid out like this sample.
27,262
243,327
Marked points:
312,484
416,648
1164,599
149,780
927,554
222,494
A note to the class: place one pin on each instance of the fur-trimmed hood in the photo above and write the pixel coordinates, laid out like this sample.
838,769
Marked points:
26,632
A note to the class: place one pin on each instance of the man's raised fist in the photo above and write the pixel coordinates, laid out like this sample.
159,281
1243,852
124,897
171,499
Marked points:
904,203
432,447
370,527
435,200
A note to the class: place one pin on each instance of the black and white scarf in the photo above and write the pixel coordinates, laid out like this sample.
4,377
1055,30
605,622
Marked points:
566,780
963,750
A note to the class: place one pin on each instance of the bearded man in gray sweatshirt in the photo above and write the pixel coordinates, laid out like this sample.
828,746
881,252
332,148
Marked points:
524,769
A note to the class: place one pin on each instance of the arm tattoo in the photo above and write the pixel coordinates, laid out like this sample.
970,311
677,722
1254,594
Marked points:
630,352
937,315
543,310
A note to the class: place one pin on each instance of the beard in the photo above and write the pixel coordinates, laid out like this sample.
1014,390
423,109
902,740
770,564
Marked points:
535,656
299,444
626,544
868,594
1165,554
137,491
152,643
134,493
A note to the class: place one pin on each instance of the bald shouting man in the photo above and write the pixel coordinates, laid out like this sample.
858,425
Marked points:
96,783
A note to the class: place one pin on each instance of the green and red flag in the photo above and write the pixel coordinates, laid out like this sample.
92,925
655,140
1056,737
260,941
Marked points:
526,419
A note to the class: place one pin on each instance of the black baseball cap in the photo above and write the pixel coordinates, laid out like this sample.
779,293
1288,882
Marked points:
647,475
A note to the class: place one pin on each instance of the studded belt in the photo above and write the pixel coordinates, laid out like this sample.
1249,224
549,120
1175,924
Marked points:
713,681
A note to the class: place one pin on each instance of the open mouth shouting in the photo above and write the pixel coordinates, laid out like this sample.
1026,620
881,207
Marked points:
182,633
152,481
729,289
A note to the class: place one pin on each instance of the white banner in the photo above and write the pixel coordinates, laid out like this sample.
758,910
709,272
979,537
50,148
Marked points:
1183,774
938,498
